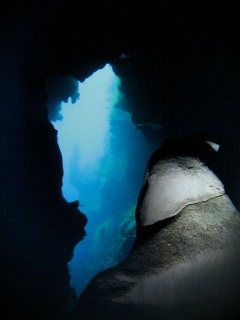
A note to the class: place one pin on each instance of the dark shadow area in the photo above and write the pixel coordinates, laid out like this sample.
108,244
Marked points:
179,68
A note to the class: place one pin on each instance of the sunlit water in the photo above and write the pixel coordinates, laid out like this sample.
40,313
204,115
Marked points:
104,158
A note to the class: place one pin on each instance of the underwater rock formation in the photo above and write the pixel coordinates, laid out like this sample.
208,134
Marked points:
175,177
174,183
179,68
186,266
39,229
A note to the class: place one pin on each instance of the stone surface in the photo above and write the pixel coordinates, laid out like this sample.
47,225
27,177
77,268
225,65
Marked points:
187,270
172,184
179,67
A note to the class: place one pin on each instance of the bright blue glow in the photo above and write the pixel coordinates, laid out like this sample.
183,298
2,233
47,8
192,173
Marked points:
104,158
86,126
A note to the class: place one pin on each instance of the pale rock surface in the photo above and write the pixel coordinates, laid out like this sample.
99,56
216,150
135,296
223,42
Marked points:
185,262
174,183
189,269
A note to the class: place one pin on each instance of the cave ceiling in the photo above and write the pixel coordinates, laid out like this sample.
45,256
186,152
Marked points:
178,62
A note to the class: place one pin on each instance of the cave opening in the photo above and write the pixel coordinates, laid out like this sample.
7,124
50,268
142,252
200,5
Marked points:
104,157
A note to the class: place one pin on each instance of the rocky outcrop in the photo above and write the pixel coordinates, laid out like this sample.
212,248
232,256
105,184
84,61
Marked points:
38,227
187,269
185,260
179,67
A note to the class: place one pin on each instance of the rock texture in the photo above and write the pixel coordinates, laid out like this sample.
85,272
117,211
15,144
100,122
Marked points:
172,184
186,270
179,68
185,260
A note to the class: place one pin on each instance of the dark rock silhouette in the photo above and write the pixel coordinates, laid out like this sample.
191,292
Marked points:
39,228
179,68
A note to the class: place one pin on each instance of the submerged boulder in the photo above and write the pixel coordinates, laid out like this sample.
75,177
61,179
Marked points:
188,265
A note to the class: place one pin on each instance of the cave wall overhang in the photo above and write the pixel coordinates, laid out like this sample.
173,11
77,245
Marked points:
179,69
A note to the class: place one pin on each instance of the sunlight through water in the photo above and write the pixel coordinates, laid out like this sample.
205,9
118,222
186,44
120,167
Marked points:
104,157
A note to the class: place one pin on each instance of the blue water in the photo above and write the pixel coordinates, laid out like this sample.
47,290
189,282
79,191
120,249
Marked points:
104,158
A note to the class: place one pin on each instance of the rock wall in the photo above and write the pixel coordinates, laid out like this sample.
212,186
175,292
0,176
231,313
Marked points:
179,67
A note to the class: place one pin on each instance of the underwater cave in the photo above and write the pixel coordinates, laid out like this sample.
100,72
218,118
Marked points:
104,157
69,189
